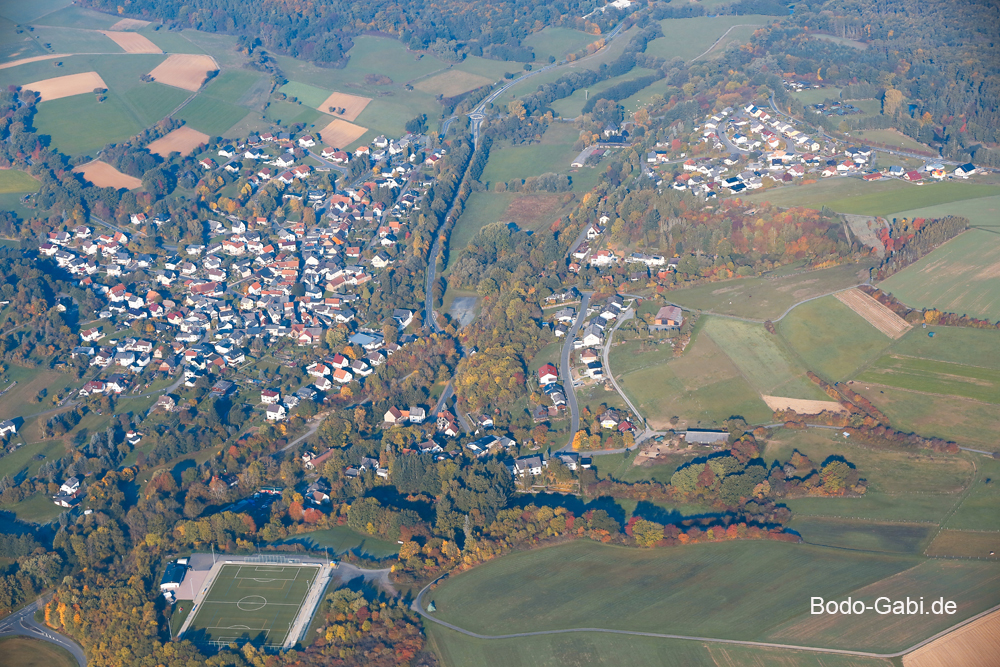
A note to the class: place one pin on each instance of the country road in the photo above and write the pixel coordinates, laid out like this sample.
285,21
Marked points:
567,372
418,607
22,623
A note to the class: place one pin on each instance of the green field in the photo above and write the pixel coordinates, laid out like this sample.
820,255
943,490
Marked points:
211,115
342,538
79,125
585,584
911,197
830,338
154,101
303,92
815,195
937,377
24,458
552,154
572,106
71,40
557,42
39,508
607,650
761,298
908,538
27,652
965,544
58,13
817,95
481,209
762,358
976,347
957,277
967,422
251,603
979,509
689,38
14,180
703,387
231,85
892,138
981,211
171,41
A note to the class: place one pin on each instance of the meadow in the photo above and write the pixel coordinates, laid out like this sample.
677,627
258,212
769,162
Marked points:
937,377
14,180
557,42
28,652
817,95
703,387
965,544
892,138
893,537
341,539
689,38
585,584
39,508
975,347
957,277
768,298
552,154
815,195
762,358
884,203
978,510
607,650
24,461
830,338
211,115
572,106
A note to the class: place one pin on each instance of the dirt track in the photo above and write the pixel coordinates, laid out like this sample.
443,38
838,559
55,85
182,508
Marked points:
879,316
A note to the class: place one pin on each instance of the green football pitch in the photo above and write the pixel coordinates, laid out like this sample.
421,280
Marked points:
254,603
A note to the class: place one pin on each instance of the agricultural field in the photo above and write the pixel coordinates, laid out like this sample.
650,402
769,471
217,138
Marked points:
66,86
154,101
763,298
975,645
981,211
27,652
979,509
815,195
182,140
557,42
69,16
20,401
211,115
232,85
688,38
862,535
703,388
971,584
975,347
959,277
913,196
453,82
762,358
572,106
607,650
965,544
584,584
892,138
103,175
936,377
831,339
14,180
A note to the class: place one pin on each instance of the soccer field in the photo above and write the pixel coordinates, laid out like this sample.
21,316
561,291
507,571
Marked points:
254,603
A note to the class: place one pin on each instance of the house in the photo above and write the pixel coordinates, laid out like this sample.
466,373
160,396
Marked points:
341,376
395,416
165,403
207,164
7,427
610,419
417,415
270,397
275,413
527,465
71,485
913,176
403,317
669,316
965,170
592,336
548,374
307,141
589,356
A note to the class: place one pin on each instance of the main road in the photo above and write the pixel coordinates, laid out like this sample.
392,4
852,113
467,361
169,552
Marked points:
567,371
22,623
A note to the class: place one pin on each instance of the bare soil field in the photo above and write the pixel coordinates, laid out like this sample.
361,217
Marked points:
880,317
353,105
103,175
531,210
183,140
184,70
974,645
130,24
35,59
132,42
966,544
65,86
801,405
451,83
339,133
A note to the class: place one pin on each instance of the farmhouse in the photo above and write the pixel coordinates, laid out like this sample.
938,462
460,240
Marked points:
668,316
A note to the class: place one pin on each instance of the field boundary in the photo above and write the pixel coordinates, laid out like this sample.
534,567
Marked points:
417,606
876,314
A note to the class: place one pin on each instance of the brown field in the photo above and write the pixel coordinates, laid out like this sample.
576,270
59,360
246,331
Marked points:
103,175
974,645
451,83
183,140
880,317
339,133
965,543
130,24
35,59
64,86
801,405
532,209
353,105
184,70
132,42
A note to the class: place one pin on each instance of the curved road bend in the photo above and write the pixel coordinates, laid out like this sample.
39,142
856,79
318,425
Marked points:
567,372
22,623
418,607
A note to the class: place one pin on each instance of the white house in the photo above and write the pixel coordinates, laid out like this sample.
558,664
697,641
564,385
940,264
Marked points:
275,413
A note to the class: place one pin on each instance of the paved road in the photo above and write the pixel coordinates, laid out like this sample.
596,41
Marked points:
418,607
22,623
567,372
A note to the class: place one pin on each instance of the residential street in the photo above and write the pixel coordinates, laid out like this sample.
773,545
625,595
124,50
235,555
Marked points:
567,372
